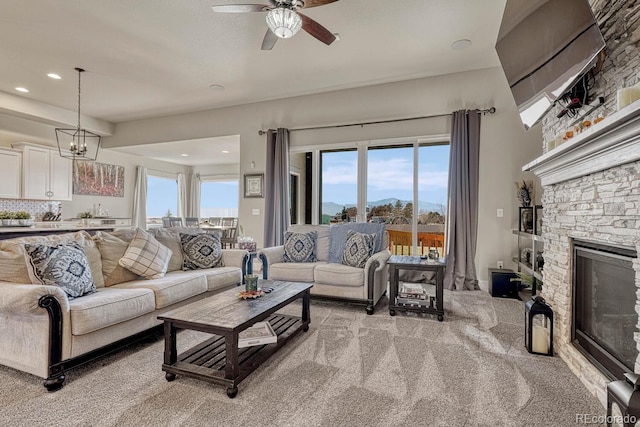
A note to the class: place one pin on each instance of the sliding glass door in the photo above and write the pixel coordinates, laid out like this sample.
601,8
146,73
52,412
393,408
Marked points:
402,185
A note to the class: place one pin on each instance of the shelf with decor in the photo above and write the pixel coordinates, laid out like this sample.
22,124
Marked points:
530,247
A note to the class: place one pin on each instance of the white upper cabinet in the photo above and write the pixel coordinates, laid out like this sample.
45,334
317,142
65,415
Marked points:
45,175
11,167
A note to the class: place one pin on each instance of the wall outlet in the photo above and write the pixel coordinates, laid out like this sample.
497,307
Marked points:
255,211
500,213
500,264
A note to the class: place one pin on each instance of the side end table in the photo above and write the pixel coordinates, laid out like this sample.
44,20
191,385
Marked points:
416,263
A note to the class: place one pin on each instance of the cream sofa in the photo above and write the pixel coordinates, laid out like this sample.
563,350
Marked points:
331,279
44,332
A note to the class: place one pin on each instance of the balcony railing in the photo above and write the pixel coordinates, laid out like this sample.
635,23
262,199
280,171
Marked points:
400,240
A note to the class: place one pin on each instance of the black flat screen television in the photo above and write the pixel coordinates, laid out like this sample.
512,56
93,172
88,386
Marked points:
545,47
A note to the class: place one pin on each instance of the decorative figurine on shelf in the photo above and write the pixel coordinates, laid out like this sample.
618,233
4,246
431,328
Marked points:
524,192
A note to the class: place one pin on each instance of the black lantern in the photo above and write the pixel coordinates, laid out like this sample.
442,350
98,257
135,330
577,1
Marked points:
538,327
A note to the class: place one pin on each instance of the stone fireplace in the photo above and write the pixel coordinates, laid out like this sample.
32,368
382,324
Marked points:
591,194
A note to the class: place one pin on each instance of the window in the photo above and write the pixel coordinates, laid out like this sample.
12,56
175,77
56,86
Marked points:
339,186
219,197
162,198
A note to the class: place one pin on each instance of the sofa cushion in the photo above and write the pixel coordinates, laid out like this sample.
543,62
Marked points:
109,306
293,271
63,265
175,286
170,237
338,275
300,247
112,246
13,265
145,256
339,235
322,239
358,249
222,277
201,251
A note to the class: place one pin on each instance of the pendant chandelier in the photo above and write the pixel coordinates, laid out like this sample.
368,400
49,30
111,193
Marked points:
78,143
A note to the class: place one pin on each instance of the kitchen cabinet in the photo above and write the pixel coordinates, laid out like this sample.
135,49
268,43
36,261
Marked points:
11,167
45,175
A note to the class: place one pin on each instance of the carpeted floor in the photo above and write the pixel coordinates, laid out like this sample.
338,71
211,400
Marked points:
350,369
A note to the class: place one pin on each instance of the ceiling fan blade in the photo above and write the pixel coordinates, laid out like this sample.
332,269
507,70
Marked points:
240,8
314,3
269,40
316,30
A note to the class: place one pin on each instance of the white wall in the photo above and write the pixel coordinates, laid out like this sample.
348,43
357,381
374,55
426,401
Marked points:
505,146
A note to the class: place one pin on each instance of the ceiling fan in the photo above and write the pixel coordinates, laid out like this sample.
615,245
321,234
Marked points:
283,19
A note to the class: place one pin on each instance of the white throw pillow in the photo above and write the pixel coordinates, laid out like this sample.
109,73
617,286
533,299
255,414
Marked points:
145,256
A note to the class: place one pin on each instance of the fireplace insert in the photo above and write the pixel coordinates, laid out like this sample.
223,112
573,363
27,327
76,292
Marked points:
604,300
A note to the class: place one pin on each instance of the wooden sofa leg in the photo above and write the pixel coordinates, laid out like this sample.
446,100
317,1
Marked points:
370,309
56,378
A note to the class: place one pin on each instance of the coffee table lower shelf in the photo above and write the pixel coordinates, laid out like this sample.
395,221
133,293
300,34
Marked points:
208,360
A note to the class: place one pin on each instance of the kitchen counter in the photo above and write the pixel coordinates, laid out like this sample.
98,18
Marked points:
53,228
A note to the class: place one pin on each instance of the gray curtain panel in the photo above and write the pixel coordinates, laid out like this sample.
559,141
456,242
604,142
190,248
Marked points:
276,186
462,215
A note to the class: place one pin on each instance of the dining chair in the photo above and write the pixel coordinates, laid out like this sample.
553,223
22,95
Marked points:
191,222
229,237
215,221
175,221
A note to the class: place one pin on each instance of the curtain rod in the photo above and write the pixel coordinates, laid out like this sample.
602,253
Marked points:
489,110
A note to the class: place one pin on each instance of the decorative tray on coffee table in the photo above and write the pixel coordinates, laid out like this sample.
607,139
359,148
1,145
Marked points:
251,294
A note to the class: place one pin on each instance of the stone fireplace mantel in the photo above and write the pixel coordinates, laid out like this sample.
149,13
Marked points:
612,142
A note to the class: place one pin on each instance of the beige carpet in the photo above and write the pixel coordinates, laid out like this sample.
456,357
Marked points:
350,369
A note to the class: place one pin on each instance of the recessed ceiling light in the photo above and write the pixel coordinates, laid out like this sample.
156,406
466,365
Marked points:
22,89
184,155
54,76
460,44
225,151
216,87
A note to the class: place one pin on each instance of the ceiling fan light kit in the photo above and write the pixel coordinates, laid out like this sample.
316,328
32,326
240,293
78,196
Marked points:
284,22
283,19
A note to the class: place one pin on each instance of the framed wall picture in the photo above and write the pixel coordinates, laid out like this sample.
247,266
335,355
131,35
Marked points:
253,185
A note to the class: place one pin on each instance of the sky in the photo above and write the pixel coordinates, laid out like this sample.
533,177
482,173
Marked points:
389,174
216,198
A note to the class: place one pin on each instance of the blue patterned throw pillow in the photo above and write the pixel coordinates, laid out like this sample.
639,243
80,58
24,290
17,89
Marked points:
64,265
358,249
300,247
201,251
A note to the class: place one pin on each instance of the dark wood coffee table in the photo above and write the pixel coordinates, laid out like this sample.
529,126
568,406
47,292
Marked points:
225,315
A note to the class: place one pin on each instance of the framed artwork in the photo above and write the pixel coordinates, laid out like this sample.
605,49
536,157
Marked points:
526,223
97,179
253,184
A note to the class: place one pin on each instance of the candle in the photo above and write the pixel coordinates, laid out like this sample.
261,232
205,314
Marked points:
540,340
628,95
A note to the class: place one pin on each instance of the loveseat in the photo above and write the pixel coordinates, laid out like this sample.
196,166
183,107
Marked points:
331,277
44,331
